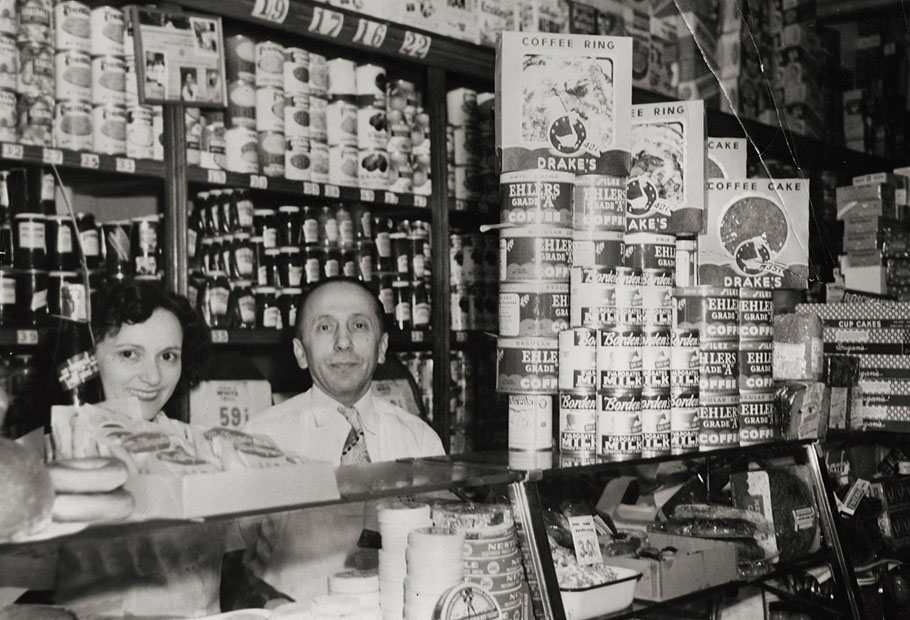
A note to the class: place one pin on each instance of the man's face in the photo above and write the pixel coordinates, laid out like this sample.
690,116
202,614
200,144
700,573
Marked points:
341,341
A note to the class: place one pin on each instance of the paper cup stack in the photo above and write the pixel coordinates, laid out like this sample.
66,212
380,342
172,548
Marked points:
361,585
396,521
434,565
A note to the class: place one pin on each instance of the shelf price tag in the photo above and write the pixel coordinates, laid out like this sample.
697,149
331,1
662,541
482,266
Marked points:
26,336
416,336
584,539
310,189
13,151
370,33
367,195
415,44
52,156
326,22
217,176
332,191
89,160
420,201
220,336
271,10
257,181
125,164
390,198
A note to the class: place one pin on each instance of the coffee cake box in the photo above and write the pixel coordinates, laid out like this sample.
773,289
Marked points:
666,188
757,234
564,102
726,158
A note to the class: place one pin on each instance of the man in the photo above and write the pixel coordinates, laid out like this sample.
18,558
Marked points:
340,338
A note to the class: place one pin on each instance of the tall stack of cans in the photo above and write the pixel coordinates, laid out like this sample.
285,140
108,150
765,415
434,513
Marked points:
240,141
144,124
535,257
73,76
297,114
35,71
473,279
486,151
756,381
401,108
108,81
341,122
464,162
372,127
269,78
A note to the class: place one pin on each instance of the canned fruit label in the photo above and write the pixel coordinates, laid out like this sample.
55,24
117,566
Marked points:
536,197
530,422
577,422
756,421
527,365
535,254
599,203
718,371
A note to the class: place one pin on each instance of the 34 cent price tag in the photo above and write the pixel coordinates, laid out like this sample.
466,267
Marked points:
310,189
584,539
271,10
12,151
89,160
420,201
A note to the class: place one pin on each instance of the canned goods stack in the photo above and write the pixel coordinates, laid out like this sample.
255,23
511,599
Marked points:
372,127
35,72
404,259
402,104
108,81
474,282
341,122
463,128
296,114
144,123
319,146
269,80
486,149
756,381
712,315
240,141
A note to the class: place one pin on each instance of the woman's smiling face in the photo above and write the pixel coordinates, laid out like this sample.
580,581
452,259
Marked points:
143,361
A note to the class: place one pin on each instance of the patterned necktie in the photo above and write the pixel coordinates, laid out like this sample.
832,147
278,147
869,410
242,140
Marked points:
355,446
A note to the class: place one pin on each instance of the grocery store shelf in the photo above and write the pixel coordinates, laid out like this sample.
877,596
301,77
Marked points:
398,340
22,337
352,30
472,340
80,160
844,10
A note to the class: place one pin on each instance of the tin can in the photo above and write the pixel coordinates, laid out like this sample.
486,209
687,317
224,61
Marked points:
756,315
527,365
599,203
9,310
718,368
652,255
655,422
117,255
629,307
140,138
72,76
242,150
533,309
241,110
73,125
373,168
371,82
297,159
296,71
8,21
107,31
534,253
240,58
9,117
35,69
66,295
30,241
62,254
757,417
108,80
269,109
619,424
578,422
318,119
684,426
536,197
686,263
144,244
341,122
271,153
35,21
593,298
530,422
342,77
297,117
319,75
31,297
718,421
618,362
712,310
599,251
72,27
9,57
343,165
319,162
372,129
655,358
269,64
578,359
755,367
109,129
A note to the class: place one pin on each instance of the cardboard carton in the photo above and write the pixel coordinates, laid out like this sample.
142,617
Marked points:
726,158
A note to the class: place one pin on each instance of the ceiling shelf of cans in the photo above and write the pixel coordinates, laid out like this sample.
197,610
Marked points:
80,160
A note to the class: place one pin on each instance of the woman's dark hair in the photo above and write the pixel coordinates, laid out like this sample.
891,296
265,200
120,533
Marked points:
129,303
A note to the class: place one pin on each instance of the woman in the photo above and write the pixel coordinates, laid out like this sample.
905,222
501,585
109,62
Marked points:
150,344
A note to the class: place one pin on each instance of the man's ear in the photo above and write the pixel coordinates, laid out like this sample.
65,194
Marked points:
383,347
300,353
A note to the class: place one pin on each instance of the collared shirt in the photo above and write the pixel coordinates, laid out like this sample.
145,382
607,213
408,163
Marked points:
307,546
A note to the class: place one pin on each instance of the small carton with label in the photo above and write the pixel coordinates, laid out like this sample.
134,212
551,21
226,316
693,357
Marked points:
726,158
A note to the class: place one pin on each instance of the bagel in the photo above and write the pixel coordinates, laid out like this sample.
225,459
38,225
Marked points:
88,475
80,507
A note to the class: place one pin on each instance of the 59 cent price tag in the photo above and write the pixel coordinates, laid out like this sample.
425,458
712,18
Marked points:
584,539
257,181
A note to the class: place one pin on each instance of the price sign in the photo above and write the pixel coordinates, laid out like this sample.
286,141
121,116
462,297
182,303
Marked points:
12,151
416,336
326,22
233,417
217,176
420,201
370,33
310,189
257,181
52,156
332,191
415,44
26,336
390,198
271,10
89,160
220,336
584,539
367,195
125,164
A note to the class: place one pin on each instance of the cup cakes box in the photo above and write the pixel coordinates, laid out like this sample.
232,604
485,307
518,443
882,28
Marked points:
757,234
564,102
666,187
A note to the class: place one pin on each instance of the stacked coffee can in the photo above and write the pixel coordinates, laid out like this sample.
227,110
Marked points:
535,257
756,382
372,127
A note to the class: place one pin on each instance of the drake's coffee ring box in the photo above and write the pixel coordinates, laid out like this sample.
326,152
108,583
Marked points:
757,234
564,102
